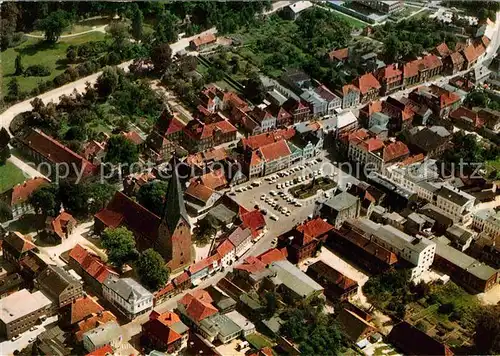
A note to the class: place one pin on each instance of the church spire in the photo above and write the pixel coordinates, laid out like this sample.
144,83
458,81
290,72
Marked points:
175,208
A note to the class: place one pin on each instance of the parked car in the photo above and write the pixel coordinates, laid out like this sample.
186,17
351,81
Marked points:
274,217
263,197
298,204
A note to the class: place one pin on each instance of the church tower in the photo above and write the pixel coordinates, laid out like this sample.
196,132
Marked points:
174,235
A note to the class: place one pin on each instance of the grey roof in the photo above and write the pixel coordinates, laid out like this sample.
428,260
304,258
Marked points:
312,97
250,302
54,280
174,199
53,342
417,218
460,259
274,323
102,335
222,213
459,233
342,201
440,130
457,197
127,288
22,303
484,214
239,235
294,279
219,324
240,320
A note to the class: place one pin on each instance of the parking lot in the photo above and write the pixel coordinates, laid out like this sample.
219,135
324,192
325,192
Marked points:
8,347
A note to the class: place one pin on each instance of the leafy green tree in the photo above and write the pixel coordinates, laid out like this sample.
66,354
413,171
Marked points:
392,49
107,81
152,196
487,335
13,89
121,150
46,200
137,29
54,24
152,270
205,229
166,30
271,304
19,65
119,35
71,53
5,212
120,245
161,56
254,89
75,198
100,195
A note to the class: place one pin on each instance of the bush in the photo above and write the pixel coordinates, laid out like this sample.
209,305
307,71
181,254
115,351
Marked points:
37,70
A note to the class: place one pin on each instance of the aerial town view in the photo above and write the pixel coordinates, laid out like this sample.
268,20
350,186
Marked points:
251,178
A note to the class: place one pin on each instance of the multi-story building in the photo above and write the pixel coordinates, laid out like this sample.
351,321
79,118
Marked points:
276,156
390,77
299,110
453,63
454,203
337,286
109,334
369,87
165,332
350,95
15,247
198,136
384,6
417,250
202,41
487,221
22,310
409,176
60,286
333,101
491,119
339,208
304,239
439,100
264,119
128,296
420,70
17,197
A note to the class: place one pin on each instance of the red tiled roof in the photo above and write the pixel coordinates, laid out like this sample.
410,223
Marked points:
165,290
92,148
275,151
443,50
413,159
372,107
55,152
200,265
258,141
199,191
464,114
160,326
197,305
485,41
234,99
412,68
367,82
457,58
225,247
133,137
470,53
177,281
91,263
357,136
389,71
82,308
255,159
21,192
102,351
93,322
372,144
271,256
348,88
394,151
18,242
214,180
339,54
313,229
254,220
251,265
124,211
60,223
198,130
204,39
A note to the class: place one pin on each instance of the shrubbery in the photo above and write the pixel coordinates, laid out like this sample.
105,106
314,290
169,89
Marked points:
36,70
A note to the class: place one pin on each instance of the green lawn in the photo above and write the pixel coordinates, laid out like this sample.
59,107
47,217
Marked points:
258,341
351,20
36,51
82,26
10,175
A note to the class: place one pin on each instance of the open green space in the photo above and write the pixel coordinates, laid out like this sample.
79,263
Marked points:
350,20
10,175
37,51
258,341
307,190
81,26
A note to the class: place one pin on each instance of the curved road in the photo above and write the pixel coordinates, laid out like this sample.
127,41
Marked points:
97,29
79,85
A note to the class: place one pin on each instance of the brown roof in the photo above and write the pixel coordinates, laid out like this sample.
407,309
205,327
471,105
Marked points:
91,264
254,220
160,325
354,327
331,275
133,137
339,54
272,255
275,151
471,53
456,58
348,88
122,210
366,82
443,50
239,235
395,150
91,323
81,309
199,191
215,180
430,61
412,341
18,242
59,225
21,192
388,71
313,229
204,39
55,152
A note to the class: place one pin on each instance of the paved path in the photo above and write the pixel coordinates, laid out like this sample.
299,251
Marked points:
29,172
96,29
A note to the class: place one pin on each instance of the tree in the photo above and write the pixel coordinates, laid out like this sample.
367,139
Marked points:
5,212
271,304
137,28
166,31
161,56
13,89
119,35
99,196
487,335
46,200
19,65
392,49
75,198
152,270
120,245
107,81
54,25
152,196
71,53
254,89
205,229
121,151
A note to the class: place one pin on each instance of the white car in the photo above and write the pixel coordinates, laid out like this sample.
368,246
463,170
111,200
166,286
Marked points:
268,200
263,197
274,217
239,190
256,183
288,213
278,186
298,204
16,337
273,193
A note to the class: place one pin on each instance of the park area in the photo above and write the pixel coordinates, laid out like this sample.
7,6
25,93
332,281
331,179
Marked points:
35,51
10,175
307,190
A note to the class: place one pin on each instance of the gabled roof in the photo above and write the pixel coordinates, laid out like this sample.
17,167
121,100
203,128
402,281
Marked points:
198,305
471,53
133,137
21,192
346,89
339,54
224,248
275,151
251,265
59,225
430,61
93,322
177,281
353,325
457,58
330,274
239,235
395,150
443,50
56,280
175,208
272,255
55,152
204,39
372,107
166,327
122,210
102,351
91,264
254,220
257,141
199,130
199,191
18,242
312,229
168,123
214,180
367,82
81,309
388,71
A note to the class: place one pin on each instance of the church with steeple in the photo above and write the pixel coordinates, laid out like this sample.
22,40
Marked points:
169,234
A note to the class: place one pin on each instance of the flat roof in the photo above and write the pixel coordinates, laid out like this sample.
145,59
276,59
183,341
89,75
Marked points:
22,303
341,201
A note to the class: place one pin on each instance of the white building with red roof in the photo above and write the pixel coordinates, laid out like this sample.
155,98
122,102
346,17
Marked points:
17,197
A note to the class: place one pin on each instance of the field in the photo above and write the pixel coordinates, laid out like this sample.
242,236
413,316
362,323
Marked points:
10,175
36,51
